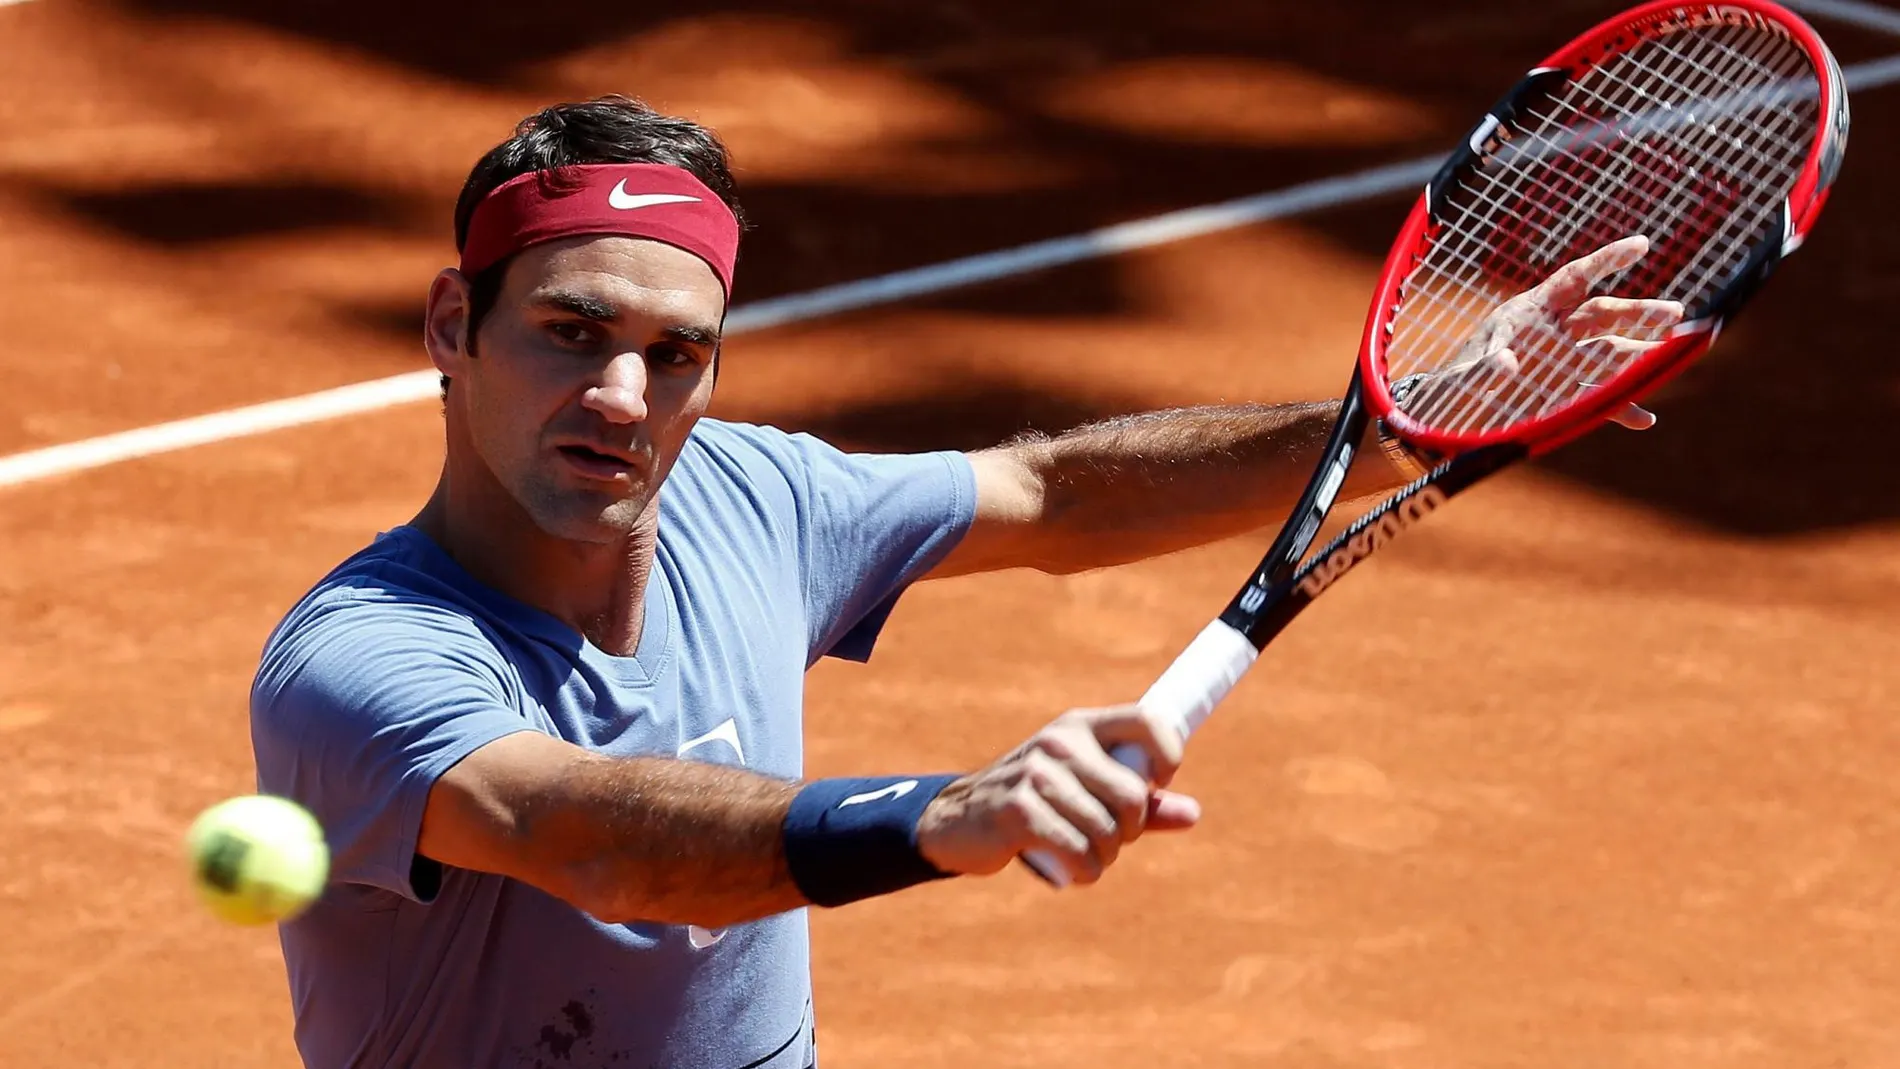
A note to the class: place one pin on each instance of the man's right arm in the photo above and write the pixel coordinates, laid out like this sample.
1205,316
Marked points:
670,841
649,839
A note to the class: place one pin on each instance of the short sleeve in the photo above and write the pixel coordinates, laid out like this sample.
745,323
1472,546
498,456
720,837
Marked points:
358,709
870,524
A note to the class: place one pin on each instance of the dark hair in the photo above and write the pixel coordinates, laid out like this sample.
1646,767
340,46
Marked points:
608,129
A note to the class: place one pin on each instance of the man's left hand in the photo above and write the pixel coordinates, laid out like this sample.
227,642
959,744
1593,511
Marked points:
1516,329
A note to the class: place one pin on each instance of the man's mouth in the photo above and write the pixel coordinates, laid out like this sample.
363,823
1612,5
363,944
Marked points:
595,464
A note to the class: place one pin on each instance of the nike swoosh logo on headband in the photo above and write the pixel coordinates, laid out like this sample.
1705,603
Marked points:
625,201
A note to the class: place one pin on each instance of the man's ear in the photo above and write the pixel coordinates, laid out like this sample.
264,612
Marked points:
445,322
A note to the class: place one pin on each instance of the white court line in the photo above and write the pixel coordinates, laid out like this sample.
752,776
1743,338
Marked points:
1872,74
1854,12
793,308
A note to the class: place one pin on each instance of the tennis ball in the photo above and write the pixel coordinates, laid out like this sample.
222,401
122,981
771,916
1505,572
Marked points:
257,858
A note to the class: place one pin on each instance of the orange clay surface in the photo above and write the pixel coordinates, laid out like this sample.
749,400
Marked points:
1596,770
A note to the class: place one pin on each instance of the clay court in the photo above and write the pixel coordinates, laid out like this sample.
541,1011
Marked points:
1599,769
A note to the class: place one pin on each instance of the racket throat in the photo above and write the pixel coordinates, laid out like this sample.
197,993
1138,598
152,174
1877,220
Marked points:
1322,489
1327,568
1263,609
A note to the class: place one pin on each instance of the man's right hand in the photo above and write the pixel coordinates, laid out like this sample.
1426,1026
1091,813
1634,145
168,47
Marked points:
1061,793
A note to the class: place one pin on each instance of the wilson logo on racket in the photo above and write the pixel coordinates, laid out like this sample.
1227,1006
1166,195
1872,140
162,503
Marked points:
1367,542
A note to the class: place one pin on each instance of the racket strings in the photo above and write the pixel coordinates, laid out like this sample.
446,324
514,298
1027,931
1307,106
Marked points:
1700,223
1523,388
1734,65
1732,155
1693,139
1658,180
1679,197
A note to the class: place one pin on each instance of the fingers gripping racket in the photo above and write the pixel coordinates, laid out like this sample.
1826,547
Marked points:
1588,240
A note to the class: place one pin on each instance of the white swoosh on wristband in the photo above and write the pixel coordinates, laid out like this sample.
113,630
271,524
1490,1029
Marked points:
895,790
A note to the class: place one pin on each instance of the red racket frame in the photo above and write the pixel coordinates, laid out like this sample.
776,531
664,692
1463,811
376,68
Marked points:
1650,370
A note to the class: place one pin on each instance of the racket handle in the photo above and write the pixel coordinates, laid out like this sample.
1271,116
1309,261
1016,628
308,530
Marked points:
1186,694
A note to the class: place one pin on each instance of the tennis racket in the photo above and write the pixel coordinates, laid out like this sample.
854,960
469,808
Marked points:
1586,241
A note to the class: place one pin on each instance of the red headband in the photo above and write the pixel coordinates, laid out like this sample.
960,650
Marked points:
638,200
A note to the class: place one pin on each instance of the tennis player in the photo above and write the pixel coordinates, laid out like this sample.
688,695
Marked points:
553,724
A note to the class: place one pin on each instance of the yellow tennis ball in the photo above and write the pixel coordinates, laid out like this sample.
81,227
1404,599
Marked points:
257,858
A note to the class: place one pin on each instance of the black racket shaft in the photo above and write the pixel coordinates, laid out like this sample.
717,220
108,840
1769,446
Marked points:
1262,610
1322,488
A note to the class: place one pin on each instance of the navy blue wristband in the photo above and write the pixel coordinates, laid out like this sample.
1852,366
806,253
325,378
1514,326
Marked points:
849,839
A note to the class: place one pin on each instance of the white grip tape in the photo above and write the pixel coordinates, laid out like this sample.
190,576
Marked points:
1201,676
1187,693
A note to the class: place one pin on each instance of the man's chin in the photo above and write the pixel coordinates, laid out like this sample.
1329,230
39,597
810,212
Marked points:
590,521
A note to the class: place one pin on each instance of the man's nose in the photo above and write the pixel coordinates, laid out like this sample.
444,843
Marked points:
621,395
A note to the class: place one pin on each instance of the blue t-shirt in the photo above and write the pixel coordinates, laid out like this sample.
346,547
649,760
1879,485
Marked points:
774,550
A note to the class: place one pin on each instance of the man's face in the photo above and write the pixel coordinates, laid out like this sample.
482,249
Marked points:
580,387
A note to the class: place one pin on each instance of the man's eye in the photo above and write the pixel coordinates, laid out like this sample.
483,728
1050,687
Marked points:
670,355
572,333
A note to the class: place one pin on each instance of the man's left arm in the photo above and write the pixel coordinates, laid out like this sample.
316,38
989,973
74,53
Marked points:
1139,486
